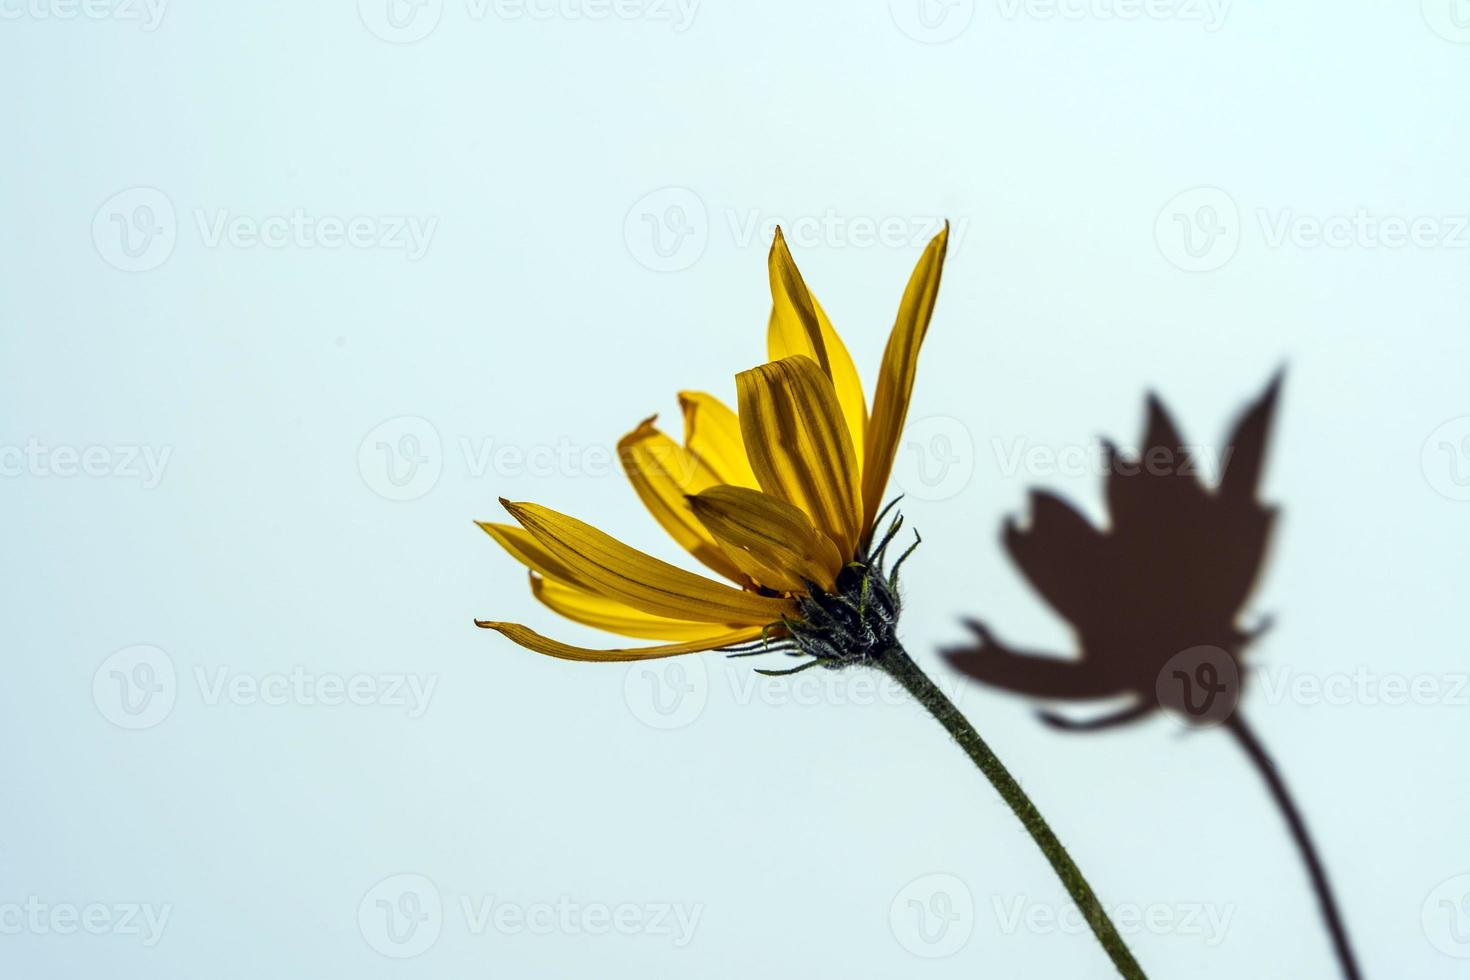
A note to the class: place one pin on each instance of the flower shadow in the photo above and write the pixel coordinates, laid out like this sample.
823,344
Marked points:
1155,598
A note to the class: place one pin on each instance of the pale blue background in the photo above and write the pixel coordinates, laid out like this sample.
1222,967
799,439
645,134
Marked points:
533,320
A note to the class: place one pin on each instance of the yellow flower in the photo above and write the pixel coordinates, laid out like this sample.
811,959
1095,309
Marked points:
781,499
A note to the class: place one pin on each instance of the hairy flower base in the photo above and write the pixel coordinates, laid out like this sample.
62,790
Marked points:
856,623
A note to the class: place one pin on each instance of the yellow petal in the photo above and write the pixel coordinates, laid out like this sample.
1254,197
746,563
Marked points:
616,617
617,571
896,376
774,542
799,325
532,640
528,551
664,474
798,445
712,432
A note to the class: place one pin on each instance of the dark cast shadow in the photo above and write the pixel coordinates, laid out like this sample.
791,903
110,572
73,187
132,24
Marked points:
1155,601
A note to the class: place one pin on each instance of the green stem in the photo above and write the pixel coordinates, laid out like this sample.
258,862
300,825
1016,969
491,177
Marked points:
897,663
